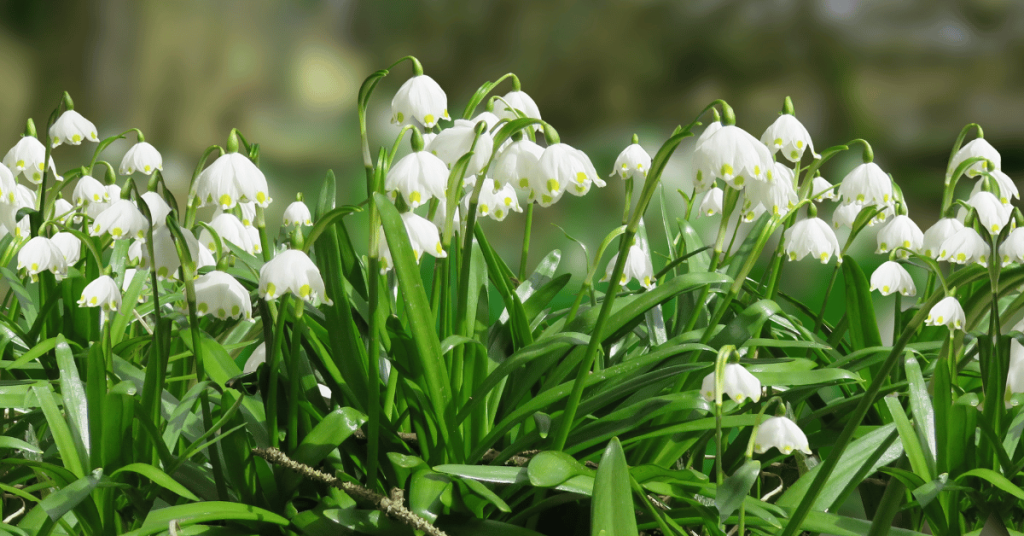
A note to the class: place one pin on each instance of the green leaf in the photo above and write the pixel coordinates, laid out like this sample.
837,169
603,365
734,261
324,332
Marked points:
158,477
859,307
7,442
426,491
485,493
824,376
735,488
325,437
405,466
72,391
37,351
210,511
995,479
67,498
59,429
611,509
329,219
921,408
551,468
487,473
915,453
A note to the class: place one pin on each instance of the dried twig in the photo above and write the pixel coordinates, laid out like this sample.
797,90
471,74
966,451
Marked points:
391,506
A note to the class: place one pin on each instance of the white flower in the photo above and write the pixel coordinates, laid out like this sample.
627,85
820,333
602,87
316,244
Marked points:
559,169
230,229
1007,189
845,215
419,98
292,271
937,234
992,213
297,214
452,143
423,236
496,203
738,383
517,100
258,357
219,294
892,277
142,157
901,232
1012,249
24,197
439,216
775,195
65,211
781,433
101,292
230,179
1015,374
867,184
418,176
8,185
72,128
975,148
41,254
632,163
821,189
712,202
812,236
638,266
26,158
70,246
129,275
167,260
733,155
122,219
948,313
514,164
703,181
158,208
89,190
248,213
965,246
788,134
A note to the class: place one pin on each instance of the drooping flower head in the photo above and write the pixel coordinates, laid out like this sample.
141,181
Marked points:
977,147
739,384
561,169
821,190
222,296
901,232
1012,249
454,142
1007,189
775,195
892,277
733,155
638,266
26,158
292,271
419,99
965,246
947,312
632,163
517,100
867,184
8,185
231,179
72,128
39,255
297,214
812,236
141,157
495,203
992,213
158,208
102,292
69,245
514,164
230,229
787,134
712,202
89,190
418,176
937,234
122,219
781,433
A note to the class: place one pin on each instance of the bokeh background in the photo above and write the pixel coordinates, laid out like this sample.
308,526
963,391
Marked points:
904,74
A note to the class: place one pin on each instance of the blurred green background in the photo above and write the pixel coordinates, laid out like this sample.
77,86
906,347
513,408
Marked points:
904,74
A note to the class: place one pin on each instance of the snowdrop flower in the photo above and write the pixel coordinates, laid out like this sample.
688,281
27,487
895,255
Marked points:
258,357
514,164
40,254
638,266
733,155
712,202
775,195
1015,374
821,189
230,229
977,147
701,181
26,158
418,176
89,190
1007,189
102,292
297,214
867,184
8,185
1012,249
420,98
901,232
965,246
812,236
517,100
248,213
561,168
423,236
129,275
122,220
158,208
781,433
24,197
167,261
937,234
992,213
452,143
439,216
65,211
948,313
495,203
788,134
72,128
230,179
845,215
739,384
70,246
141,157
219,294
892,277
292,271
632,163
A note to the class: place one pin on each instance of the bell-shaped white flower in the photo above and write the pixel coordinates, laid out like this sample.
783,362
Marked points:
704,181
992,213
937,234
423,236
1012,249
72,128
89,190
65,212
24,197
452,143
70,246
418,176
845,215
39,255
738,383
231,179
901,232
141,157
514,164
892,277
781,433
638,266
965,246
1007,189
26,158
248,213
867,184
158,208
947,312
167,261
632,163
1015,374
712,202
292,271
977,147
222,296
733,155
102,292
821,189
812,236
122,219
775,195
297,214
230,229
559,169
421,99
8,185
497,204
517,100
257,358
787,134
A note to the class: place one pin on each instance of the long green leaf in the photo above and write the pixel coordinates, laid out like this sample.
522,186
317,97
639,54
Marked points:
211,511
611,509
158,477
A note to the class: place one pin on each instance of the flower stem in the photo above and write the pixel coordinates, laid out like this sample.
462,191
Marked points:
526,241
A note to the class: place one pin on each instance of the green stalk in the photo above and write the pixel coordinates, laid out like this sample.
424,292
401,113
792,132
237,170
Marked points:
526,241
275,364
295,395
